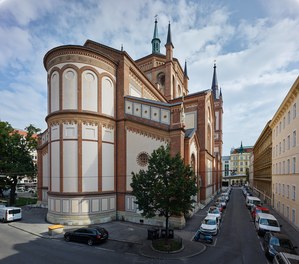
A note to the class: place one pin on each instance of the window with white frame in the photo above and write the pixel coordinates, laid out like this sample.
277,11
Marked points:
283,190
284,122
294,165
294,138
293,216
283,167
294,111
289,142
289,117
288,191
288,166
283,145
279,189
293,192
279,148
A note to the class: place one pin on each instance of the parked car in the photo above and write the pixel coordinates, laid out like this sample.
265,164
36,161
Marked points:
274,243
251,201
8,214
285,258
210,225
6,193
222,201
90,236
258,209
214,211
266,222
219,206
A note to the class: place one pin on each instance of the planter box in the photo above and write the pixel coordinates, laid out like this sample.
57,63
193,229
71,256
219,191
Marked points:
55,229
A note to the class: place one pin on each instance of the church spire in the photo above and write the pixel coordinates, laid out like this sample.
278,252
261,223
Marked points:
156,41
185,70
215,84
169,41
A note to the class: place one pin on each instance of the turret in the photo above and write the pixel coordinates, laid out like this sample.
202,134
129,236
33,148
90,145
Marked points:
169,46
214,87
156,41
186,79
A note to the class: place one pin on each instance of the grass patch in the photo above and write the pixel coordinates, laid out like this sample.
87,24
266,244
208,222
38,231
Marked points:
167,245
21,201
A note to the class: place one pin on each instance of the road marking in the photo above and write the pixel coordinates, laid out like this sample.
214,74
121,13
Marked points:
105,249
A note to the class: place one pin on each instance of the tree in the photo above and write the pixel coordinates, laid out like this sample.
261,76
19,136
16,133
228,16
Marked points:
166,188
15,155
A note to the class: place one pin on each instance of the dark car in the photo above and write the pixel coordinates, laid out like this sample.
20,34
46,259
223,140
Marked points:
276,242
92,235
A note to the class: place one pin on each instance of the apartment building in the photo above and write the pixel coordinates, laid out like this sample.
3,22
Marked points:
285,156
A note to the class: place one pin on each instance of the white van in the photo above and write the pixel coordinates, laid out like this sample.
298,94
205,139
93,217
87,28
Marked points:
266,222
252,200
10,214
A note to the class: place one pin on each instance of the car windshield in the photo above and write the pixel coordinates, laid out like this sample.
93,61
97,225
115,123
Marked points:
209,221
285,243
214,211
256,202
268,222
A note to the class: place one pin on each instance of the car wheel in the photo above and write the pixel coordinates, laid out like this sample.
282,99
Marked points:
67,238
90,242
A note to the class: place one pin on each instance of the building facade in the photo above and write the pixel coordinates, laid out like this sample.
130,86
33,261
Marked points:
240,165
262,163
106,114
285,156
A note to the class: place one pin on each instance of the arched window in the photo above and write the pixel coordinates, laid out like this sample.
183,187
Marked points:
193,162
161,79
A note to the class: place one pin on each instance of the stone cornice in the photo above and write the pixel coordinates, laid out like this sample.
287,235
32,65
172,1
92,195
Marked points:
80,119
79,55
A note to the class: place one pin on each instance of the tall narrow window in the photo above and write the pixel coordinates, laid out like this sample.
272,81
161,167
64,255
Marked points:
293,192
294,165
289,142
294,139
289,117
294,111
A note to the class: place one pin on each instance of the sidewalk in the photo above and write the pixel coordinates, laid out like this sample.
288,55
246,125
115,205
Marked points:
34,222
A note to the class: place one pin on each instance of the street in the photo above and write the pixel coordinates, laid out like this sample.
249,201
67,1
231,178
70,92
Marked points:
237,242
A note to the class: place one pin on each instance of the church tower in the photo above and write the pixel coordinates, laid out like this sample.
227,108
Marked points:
169,80
218,104
156,41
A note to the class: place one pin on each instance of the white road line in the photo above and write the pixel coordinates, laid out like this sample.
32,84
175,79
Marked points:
105,249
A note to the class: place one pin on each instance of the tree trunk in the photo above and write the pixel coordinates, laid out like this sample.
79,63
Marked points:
166,226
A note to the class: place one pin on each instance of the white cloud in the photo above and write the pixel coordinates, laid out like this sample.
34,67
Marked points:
257,52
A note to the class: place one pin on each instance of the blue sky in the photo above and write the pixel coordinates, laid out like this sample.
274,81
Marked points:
255,45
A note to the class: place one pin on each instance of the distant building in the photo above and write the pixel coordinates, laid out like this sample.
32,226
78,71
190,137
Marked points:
262,163
285,156
106,114
226,166
236,166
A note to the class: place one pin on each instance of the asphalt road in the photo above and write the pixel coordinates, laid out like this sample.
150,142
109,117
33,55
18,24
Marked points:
237,243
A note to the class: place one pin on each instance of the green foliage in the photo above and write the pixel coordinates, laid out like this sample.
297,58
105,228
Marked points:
15,158
166,188
21,201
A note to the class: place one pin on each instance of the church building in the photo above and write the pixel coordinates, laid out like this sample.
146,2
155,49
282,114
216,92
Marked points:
106,114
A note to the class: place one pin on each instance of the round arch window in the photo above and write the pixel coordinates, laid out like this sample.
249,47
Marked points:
142,159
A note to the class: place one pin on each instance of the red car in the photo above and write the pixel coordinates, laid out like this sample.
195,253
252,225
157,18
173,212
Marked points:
258,209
